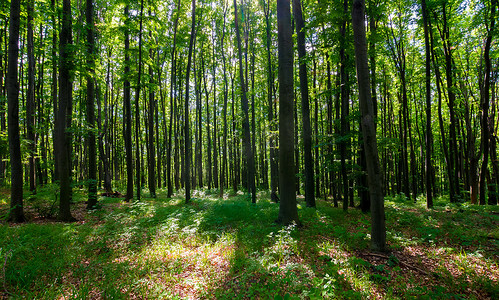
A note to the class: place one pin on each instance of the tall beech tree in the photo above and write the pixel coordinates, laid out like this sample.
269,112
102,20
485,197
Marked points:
16,168
378,230
65,112
248,150
288,212
91,151
127,107
187,137
30,99
305,108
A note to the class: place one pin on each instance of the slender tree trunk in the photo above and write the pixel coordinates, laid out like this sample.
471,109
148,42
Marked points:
378,230
16,185
128,111
30,103
151,153
187,142
344,126
485,104
429,139
91,151
54,85
226,91
288,212
453,154
138,156
250,167
274,167
305,109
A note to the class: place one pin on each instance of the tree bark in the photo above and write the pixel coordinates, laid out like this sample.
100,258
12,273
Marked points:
250,160
485,104
91,151
288,212
128,111
378,230
16,186
429,139
138,156
187,142
64,115
30,103
273,152
305,108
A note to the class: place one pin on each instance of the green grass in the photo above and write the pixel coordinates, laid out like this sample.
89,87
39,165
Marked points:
229,248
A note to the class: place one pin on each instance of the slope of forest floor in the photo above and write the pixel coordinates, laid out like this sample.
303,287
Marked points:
228,248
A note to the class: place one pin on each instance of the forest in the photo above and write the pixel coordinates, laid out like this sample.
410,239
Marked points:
289,149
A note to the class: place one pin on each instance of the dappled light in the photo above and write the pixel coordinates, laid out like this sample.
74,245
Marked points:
213,248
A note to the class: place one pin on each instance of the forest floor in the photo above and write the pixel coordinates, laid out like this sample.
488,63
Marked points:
228,248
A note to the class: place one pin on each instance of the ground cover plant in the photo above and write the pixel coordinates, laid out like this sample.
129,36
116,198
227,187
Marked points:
228,248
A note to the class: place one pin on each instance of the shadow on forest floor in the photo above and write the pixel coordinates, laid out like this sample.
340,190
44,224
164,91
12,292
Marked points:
229,248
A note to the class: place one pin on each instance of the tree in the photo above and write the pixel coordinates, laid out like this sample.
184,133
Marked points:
187,138
248,150
429,196
64,114
378,230
138,157
16,186
127,134
92,160
288,212
30,103
305,109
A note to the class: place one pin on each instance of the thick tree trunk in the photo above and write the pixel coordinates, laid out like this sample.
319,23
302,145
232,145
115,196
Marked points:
64,115
378,230
288,212
16,185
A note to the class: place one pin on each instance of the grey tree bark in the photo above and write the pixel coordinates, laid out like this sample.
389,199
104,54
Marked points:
378,230
288,212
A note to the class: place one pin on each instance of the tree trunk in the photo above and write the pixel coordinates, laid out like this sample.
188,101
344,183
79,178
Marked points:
344,126
378,230
151,153
248,151
64,114
91,151
288,212
16,186
187,142
274,167
128,111
305,109
429,139
138,156
485,103
30,103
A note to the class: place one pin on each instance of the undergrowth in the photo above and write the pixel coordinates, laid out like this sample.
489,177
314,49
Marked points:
229,248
